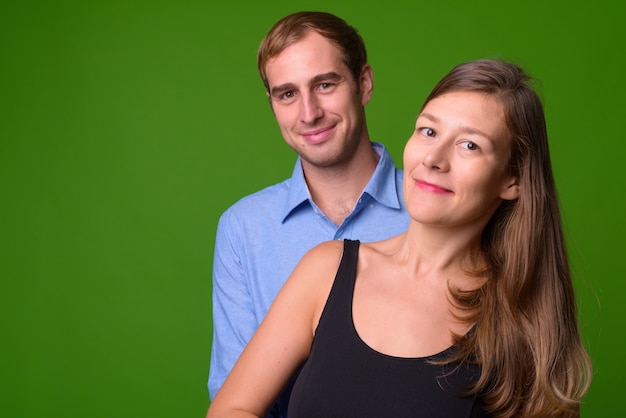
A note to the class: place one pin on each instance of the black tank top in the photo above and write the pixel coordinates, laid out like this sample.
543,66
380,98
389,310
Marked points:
344,377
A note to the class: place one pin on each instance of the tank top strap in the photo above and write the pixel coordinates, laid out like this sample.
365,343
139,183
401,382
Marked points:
337,314
346,273
349,258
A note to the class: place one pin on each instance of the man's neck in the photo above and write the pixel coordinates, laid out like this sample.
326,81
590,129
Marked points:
335,190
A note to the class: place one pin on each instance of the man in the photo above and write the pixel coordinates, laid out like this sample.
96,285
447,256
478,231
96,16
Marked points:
314,67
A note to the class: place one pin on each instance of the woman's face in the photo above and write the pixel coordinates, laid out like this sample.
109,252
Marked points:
455,163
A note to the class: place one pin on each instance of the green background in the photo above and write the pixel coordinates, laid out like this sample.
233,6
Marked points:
127,128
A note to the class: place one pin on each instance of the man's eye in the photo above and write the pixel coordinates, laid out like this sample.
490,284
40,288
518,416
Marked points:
325,86
286,97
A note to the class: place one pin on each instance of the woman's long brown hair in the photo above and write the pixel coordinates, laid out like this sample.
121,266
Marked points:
526,337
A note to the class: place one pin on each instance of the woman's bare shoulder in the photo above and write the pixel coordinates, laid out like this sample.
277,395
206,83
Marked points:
310,282
384,247
319,264
322,257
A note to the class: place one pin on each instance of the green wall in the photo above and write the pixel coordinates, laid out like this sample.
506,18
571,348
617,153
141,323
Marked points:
127,127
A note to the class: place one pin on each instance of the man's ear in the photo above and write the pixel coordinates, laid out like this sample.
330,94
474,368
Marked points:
511,190
366,84
269,100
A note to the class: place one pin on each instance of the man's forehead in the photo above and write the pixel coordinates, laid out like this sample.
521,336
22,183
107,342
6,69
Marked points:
308,76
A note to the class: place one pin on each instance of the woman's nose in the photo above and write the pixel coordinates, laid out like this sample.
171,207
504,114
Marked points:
436,157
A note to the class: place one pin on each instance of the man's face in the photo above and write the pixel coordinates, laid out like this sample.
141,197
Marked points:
318,107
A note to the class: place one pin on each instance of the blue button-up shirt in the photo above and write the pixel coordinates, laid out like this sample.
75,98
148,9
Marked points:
261,238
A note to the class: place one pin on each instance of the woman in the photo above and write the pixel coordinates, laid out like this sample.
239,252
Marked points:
470,312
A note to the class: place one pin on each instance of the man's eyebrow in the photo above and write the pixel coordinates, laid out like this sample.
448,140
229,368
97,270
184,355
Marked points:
330,76
278,90
320,78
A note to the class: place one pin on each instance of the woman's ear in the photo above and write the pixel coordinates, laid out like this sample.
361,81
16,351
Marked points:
511,190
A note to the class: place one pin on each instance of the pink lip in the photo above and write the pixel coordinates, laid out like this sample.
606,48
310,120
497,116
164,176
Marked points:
433,188
318,136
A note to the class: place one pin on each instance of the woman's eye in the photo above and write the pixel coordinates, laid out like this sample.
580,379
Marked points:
427,132
469,145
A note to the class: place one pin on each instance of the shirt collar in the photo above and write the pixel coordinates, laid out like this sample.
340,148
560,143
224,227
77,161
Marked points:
382,186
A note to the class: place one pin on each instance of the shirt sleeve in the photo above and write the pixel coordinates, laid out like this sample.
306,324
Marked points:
234,320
